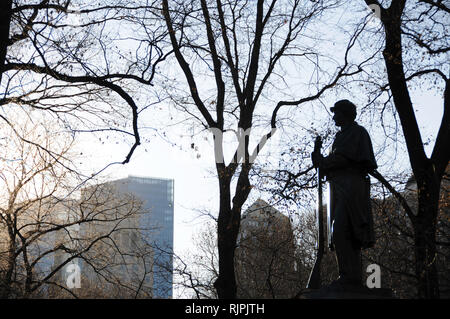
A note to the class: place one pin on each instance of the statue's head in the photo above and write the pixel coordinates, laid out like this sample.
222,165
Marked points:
344,112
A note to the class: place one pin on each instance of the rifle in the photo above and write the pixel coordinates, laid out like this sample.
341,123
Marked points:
314,278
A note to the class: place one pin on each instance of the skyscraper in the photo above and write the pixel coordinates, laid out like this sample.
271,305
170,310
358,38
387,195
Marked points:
157,195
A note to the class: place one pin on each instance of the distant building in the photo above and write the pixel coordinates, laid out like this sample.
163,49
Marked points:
122,229
115,260
265,256
157,196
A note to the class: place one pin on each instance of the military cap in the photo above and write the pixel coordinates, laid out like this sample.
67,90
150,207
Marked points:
346,107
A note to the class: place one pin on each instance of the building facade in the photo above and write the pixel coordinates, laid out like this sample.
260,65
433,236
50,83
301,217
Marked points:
134,259
265,255
157,196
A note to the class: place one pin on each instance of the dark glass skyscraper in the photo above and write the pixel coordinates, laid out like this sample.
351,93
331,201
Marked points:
157,197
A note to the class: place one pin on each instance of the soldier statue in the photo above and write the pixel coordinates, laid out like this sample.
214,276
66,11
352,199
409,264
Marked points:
346,169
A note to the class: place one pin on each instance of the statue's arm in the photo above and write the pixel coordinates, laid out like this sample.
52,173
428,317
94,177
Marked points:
334,161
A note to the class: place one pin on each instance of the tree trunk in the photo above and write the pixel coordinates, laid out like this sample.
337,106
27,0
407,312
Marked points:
5,21
226,241
425,237
228,225
226,282
6,281
427,172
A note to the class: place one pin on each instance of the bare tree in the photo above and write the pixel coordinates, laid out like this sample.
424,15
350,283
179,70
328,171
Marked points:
76,61
196,270
238,48
394,250
414,52
44,230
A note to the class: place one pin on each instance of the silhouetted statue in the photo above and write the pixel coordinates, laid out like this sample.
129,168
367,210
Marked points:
346,169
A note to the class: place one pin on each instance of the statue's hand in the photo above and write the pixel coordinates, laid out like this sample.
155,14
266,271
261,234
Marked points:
316,156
